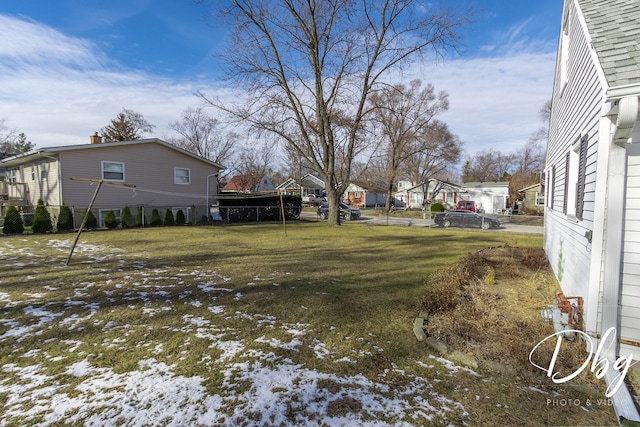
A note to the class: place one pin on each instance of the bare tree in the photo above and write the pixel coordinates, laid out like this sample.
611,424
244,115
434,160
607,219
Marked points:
309,67
404,117
127,126
488,165
255,159
440,150
202,134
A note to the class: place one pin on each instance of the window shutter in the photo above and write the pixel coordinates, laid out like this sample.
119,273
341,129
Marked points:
552,190
582,172
566,183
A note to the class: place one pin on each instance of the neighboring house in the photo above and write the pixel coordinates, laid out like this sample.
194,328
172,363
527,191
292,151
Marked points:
444,192
365,194
532,199
490,197
413,195
249,184
165,177
592,215
308,185
401,195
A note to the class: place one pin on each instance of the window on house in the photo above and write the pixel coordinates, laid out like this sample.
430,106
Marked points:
449,197
186,211
539,198
113,171
33,172
564,52
11,175
43,171
181,176
103,212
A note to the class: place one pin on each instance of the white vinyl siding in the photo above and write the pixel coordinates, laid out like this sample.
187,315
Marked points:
112,171
576,111
630,292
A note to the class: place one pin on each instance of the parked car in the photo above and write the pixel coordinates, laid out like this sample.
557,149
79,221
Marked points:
467,205
347,213
464,218
312,199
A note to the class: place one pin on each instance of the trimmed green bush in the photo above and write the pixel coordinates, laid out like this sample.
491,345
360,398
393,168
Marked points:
42,219
437,207
156,221
168,218
91,222
126,218
65,219
180,218
110,219
13,223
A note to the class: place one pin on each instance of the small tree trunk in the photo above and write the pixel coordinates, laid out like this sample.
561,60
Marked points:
387,206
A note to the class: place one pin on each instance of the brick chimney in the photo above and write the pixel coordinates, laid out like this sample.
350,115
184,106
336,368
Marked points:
95,139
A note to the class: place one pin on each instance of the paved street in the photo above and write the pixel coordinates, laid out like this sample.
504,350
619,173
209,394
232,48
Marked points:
415,222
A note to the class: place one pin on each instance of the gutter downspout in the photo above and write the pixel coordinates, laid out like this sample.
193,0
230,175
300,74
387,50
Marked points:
623,402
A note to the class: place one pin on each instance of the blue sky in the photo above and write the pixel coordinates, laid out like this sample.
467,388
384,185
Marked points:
68,67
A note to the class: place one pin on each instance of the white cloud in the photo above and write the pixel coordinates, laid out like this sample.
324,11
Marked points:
59,89
494,102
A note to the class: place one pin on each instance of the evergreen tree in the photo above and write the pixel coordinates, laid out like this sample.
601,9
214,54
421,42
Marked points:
91,222
42,219
13,223
126,218
128,126
168,218
110,219
180,218
155,218
65,219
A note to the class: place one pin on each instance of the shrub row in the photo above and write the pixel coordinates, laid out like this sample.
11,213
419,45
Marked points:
42,223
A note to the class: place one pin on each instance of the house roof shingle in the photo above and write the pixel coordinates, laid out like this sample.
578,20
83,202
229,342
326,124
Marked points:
243,183
614,26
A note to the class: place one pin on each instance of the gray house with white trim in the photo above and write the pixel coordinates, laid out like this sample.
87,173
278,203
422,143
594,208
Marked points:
592,200
165,177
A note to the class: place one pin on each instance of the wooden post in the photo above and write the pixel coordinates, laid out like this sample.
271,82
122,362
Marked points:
93,199
284,220
84,221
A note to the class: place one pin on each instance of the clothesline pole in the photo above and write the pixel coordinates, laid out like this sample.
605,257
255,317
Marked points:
93,199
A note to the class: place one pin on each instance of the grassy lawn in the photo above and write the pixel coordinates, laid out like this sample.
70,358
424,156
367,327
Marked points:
242,325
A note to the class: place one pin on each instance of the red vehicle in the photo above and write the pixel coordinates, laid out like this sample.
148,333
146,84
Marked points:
467,205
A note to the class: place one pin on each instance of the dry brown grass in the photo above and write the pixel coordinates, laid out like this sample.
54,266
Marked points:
488,306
